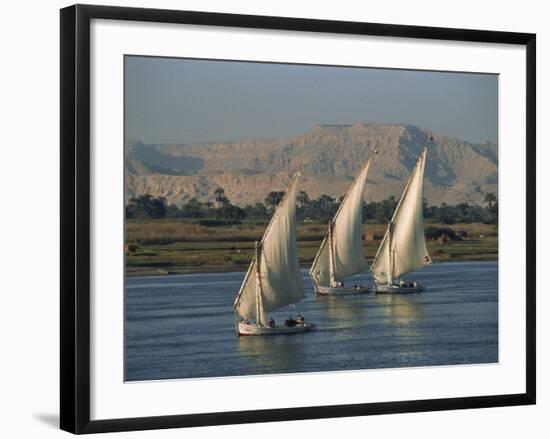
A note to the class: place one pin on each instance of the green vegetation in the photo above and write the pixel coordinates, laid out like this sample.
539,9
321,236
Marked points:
160,246
319,209
218,236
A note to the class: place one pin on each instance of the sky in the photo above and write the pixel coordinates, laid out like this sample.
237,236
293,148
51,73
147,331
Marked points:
175,100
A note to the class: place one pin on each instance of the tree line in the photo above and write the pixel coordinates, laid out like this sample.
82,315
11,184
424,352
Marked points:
318,209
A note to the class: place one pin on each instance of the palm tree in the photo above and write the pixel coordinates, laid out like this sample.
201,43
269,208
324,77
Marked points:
303,198
208,205
219,196
490,198
274,198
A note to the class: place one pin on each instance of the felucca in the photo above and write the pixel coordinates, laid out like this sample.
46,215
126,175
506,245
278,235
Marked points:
273,279
403,248
341,253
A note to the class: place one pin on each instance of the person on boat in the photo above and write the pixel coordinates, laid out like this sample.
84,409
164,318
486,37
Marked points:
271,323
301,319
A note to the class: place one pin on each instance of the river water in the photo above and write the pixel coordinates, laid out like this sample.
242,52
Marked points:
183,326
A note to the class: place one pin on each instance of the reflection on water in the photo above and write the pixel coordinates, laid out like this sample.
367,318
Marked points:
275,352
348,309
404,312
183,326
403,308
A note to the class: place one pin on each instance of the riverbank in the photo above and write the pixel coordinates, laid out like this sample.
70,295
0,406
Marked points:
156,248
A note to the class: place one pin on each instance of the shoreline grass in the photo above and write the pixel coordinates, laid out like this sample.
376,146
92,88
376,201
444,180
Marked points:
166,247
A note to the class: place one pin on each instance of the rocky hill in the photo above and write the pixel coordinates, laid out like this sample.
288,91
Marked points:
330,155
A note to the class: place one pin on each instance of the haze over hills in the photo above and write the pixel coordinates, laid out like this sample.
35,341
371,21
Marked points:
456,170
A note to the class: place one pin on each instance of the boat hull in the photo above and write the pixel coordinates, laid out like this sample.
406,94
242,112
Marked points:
339,291
254,329
396,289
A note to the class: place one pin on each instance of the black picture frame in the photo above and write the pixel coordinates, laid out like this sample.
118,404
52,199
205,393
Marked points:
75,217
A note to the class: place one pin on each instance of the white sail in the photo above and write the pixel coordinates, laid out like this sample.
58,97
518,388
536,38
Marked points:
403,248
279,270
347,238
320,270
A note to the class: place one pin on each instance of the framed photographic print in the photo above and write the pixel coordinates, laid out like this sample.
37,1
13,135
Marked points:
305,218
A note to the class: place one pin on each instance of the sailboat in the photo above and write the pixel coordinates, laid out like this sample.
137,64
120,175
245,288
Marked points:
403,248
273,279
341,253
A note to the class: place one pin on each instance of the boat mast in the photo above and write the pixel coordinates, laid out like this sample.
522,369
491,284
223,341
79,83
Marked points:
387,235
331,254
330,235
259,304
390,259
254,266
